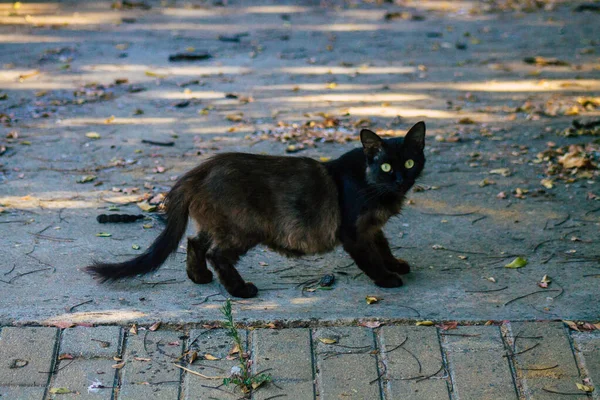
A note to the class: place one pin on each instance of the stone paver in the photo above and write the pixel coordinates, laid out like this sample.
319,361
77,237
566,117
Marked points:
149,358
549,365
79,374
217,344
588,346
22,393
288,355
102,341
346,372
478,368
26,354
150,392
402,365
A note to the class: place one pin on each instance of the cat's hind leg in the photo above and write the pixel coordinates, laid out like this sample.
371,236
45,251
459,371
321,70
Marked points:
196,267
223,260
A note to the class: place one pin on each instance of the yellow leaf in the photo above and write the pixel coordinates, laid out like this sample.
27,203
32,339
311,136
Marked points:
424,323
547,183
571,325
327,340
109,119
574,110
92,135
371,299
585,388
518,262
122,46
331,85
324,159
145,206
210,357
155,75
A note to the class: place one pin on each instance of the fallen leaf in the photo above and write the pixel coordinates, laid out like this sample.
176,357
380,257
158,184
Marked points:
155,75
65,356
210,357
371,299
145,206
87,178
370,324
63,324
466,121
518,262
154,326
449,325
60,390
103,234
424,323
235,117
93,135
585,388
135,246
547,183
142,359
438,247
119,365
109,119
501,171
133,330
234,350
327,340
491,279
331,85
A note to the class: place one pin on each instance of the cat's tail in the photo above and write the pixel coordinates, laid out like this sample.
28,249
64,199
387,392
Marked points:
177,205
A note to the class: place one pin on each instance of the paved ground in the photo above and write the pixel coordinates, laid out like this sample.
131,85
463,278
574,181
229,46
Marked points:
84,84
533,360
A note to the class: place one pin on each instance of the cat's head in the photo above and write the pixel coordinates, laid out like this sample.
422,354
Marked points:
394,164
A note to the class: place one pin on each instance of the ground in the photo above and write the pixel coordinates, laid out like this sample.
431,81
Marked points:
95,116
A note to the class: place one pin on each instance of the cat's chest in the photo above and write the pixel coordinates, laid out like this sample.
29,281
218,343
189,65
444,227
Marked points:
373,219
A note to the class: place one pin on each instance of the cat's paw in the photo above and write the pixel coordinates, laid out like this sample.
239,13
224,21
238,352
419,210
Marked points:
390,281
399,266
200,277
246,291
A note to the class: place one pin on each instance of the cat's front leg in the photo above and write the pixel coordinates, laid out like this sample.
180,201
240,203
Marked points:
366,254
392,263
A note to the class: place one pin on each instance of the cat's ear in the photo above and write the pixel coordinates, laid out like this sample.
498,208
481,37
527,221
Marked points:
371,142
415,138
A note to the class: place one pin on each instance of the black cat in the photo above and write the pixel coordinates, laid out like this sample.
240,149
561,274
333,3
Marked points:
293,205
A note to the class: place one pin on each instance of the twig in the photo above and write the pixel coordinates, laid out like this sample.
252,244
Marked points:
539,369
410,308
563,221
346,266
529,294
450,214
71,308
60,369
586,276
396,347
591,211
461,251
432,375
478,219
144,342
156,143
380,375
12,222
280,270
461,334
165,282
51,238
544,242
563,393
276,396
198,373
14,278
11,270
521,352
204,301
486,291
415,357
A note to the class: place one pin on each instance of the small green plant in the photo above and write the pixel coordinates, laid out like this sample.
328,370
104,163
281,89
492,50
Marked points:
241,375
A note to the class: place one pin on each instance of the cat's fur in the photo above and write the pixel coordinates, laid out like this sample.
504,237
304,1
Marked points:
293,205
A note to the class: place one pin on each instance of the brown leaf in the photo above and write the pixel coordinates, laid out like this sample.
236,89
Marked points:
210,357
133,330
154,326
63,324
65,356
327,340
370,324
448,325
119,365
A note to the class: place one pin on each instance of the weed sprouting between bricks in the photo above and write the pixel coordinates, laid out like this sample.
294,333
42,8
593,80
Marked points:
241,375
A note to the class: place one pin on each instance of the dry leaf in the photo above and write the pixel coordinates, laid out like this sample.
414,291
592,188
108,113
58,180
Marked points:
65,357
142,359
449,325
371,299
501,171
585,388
147,207
60,390
424,323
547,183
235,117
235,349
133,330
210,357
119,365
154,326
327,340
63,324
92,135
370,324
87,178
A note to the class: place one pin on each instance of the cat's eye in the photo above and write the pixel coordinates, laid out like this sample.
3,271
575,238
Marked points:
409,164
386,167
